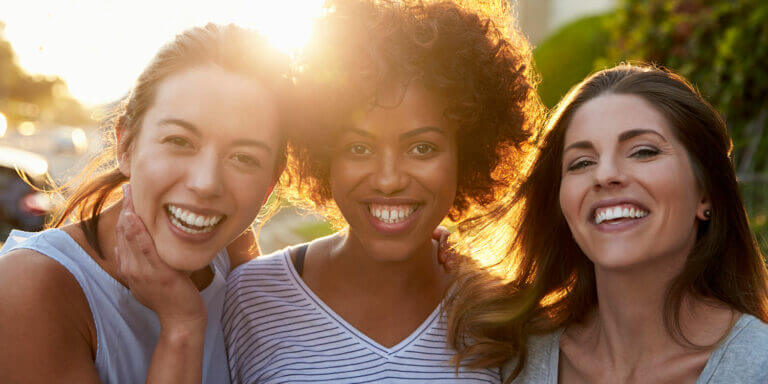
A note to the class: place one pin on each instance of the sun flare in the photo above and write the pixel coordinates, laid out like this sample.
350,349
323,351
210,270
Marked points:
99,47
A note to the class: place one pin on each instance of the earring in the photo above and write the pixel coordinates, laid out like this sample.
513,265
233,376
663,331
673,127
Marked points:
707,213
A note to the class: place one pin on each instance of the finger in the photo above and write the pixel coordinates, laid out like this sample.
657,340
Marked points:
124,257
128,198
141,242
117,262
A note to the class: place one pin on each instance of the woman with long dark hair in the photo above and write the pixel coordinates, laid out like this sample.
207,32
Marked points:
630,259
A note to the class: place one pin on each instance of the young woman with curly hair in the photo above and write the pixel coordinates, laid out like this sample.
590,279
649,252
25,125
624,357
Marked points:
631,258
423,112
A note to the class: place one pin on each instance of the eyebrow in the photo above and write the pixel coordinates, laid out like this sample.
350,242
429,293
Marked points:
192,128
403,136
419,131
637,132
181,123
624,136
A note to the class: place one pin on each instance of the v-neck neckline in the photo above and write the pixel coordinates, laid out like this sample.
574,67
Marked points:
373,345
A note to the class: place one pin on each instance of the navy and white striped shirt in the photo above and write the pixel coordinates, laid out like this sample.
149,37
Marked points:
278,331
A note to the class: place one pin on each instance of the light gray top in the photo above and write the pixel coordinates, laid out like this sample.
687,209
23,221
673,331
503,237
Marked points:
742,357
127,331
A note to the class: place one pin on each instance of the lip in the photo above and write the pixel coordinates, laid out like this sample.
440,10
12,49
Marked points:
390,201
619,227
391,228
190,237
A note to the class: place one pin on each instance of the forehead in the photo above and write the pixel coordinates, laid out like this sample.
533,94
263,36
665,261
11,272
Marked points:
212,98
606,117
403,107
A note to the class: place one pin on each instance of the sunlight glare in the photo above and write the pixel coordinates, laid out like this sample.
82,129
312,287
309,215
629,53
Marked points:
27,128
99,47
3,125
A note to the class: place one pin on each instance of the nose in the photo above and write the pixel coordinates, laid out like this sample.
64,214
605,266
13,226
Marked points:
609,173
204,175
388,177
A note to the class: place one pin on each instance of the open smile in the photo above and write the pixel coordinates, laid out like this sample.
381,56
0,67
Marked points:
191,225
618,216
392,218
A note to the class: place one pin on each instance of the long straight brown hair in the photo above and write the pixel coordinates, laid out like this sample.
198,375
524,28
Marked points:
232,48
547,282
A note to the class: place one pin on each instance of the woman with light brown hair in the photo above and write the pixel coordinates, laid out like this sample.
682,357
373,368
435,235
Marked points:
631,258
200,142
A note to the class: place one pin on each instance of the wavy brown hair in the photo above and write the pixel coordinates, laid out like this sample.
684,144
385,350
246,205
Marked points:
229,47
468,53
547,282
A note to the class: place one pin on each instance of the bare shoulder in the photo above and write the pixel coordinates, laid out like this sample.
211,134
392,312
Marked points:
46,327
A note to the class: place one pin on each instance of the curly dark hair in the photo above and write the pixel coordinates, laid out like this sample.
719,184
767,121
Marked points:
469,54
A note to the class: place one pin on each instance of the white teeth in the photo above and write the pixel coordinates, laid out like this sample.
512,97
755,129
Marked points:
391,213
183,219
612,213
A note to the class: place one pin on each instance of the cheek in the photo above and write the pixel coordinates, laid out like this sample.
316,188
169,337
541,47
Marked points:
152,174
441,177
570,199
345,175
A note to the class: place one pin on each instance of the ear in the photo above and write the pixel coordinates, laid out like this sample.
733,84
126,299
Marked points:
704,209
123,150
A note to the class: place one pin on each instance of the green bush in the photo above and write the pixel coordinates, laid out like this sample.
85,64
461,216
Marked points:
569,55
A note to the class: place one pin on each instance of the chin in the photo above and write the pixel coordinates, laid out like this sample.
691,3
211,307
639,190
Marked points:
389,250
187,261
618,258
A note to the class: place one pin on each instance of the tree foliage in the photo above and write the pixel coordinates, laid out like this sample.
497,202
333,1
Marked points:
27,97
569,55
720,46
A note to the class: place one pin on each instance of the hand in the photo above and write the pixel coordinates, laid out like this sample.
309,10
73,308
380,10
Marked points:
445,254
170,293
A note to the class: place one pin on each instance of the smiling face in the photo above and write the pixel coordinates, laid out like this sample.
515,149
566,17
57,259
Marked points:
393,174
203,162
628,190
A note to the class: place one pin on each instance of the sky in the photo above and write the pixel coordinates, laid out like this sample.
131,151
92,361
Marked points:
99,47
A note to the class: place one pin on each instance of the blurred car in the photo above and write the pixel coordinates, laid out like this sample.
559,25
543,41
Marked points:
21,205
69,140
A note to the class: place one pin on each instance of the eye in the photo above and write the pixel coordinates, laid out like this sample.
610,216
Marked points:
645,152
580,164
358,149
422,149
246,160
178,141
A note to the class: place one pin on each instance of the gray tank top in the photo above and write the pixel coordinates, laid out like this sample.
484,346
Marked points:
742,357
126,330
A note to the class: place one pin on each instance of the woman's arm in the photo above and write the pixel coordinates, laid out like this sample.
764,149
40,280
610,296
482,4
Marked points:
46,327
171,294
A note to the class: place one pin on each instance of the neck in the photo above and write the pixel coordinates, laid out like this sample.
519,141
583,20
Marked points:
629,323
399,274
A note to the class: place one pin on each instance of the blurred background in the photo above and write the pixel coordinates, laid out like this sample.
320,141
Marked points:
63,63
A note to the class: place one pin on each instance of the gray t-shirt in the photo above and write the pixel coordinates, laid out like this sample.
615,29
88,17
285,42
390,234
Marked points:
742,357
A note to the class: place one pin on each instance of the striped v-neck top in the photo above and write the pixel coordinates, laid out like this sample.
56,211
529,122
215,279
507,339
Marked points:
278,331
